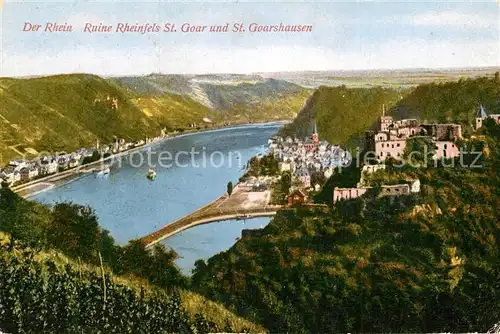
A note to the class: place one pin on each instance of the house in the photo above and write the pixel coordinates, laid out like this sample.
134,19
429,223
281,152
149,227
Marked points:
17,176
48,166
394,190
286,166
29,173
18,164
8,175
63,162
328,172
372,168
369,169
414,184
442,132
309,144
297,197
482,116
348,193
387,145
303,175
73,162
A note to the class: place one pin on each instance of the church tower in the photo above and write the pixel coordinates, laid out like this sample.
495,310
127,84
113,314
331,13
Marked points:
385,121
480,117
315,135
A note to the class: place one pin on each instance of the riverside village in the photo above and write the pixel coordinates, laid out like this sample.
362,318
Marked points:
22,171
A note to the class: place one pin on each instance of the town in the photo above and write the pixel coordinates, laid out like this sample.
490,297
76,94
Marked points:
22,171
308,158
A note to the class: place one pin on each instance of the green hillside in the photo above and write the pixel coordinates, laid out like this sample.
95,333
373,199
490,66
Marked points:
65,112
451,101
69,111
428,262
343,114
276,107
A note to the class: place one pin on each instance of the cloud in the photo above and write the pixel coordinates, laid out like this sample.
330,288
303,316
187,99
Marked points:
456,19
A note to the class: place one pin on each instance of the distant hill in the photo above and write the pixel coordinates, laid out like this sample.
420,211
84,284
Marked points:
390,78
65,112
216,91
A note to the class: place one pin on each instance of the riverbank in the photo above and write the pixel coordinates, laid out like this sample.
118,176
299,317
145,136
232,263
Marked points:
35,187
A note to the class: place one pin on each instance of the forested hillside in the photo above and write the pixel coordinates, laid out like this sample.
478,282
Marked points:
422,263
69,111
65,112
448,102
60,272
343,114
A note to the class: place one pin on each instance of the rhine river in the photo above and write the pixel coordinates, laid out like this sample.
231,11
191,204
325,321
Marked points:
130,206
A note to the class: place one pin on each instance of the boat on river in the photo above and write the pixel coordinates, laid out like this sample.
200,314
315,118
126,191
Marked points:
151,175
103,172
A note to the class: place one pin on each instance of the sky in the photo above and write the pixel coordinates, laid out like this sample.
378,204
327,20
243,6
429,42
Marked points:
346,35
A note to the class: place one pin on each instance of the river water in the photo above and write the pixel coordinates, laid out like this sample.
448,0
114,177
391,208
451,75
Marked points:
196,169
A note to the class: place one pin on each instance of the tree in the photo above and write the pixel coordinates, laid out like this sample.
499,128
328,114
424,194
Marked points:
95,157
162,269
286,182
254,166
74,229
23,220
318,178
269,165
497,76
229,188
109,250
198,272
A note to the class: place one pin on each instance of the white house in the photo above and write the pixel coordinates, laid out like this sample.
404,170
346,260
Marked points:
18,164
328,172
74,162
8,175
48,165
414,184
285,166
